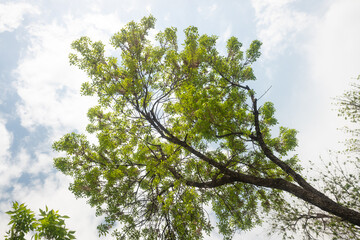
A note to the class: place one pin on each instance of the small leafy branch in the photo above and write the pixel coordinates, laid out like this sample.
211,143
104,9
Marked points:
50,225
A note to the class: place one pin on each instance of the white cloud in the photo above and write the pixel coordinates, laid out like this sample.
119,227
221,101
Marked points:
226,34
5,141
213,8
148,8
48,86
12,14
49,90
11,169
207,10
334,51
333,56
277,24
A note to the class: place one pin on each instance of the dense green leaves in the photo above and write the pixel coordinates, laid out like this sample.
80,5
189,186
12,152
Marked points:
22,221
50,225
178,130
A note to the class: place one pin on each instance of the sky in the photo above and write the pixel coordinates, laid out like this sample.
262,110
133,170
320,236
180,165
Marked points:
310,55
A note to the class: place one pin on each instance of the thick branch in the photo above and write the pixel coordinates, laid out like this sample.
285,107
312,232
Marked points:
305,191
210,184
171,138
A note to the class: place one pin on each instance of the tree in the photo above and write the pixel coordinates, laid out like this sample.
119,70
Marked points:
50,225
179,130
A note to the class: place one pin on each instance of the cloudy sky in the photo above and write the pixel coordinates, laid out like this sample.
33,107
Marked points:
311,52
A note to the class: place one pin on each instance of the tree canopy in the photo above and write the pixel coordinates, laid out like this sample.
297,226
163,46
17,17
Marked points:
180,133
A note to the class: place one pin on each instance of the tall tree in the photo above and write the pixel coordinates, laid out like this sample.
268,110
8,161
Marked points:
178,130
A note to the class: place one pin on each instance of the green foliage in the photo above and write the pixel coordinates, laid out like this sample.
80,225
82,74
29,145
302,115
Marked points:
22,221
49,226
174,125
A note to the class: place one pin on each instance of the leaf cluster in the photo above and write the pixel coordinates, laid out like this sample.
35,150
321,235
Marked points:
50,225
